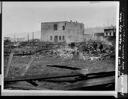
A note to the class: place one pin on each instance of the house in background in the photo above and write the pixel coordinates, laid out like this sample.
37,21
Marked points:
110,34
110,31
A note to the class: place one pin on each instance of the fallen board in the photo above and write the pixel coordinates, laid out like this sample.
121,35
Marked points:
81,77
90,82
55,75
24,85
71,86
64,67
38,77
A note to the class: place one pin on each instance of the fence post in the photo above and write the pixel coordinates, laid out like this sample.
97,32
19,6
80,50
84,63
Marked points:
9,64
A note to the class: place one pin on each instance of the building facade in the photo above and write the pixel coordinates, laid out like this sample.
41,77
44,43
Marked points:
110,35
110,32
62,31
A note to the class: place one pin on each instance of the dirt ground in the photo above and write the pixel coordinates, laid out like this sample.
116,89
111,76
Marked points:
39,65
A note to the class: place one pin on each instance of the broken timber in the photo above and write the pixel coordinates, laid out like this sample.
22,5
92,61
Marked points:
56,76
94,79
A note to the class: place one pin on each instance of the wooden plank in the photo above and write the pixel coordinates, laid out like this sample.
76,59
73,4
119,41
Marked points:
23,86
9,64
82,77
57,76
64,67
69,86
28,65
39,77
89,82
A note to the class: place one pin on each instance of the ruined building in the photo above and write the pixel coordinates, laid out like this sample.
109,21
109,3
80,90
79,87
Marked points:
62,31
110,34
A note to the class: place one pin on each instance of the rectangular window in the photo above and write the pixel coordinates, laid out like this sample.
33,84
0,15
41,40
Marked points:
63,27
59,37
63,37
50,37
56,38
55,26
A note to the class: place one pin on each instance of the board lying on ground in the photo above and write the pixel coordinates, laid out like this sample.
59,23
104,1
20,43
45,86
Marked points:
75,80
70,86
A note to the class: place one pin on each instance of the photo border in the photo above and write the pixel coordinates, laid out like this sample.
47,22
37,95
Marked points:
88,93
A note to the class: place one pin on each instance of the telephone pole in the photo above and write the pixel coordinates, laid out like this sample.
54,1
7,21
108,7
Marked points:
28,37
33,35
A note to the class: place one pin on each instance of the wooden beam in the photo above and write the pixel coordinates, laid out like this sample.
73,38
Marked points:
9,64
69,86
24,86
64,67
89,82
28,65
40,77
44,76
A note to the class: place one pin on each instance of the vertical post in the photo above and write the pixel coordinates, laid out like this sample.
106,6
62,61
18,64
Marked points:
28,37
14,38
33,35
33,38
9,64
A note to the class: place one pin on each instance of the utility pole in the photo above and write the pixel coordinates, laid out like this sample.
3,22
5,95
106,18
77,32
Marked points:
14,38
33,35
28,37
33,38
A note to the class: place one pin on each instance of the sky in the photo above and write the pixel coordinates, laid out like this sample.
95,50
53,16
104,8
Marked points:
22,18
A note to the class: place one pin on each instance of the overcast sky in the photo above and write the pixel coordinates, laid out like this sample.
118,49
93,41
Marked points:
25,17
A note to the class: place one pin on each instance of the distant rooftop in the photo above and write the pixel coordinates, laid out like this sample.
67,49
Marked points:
63,22
110,27
97,29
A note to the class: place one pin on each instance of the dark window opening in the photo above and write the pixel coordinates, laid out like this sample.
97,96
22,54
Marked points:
55,26
63,27
63,37
56,38
59,37
50,37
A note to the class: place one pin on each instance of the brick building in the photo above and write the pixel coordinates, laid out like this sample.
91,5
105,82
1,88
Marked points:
62,31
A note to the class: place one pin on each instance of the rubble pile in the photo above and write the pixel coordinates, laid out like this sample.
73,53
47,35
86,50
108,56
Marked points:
91,50
88,52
